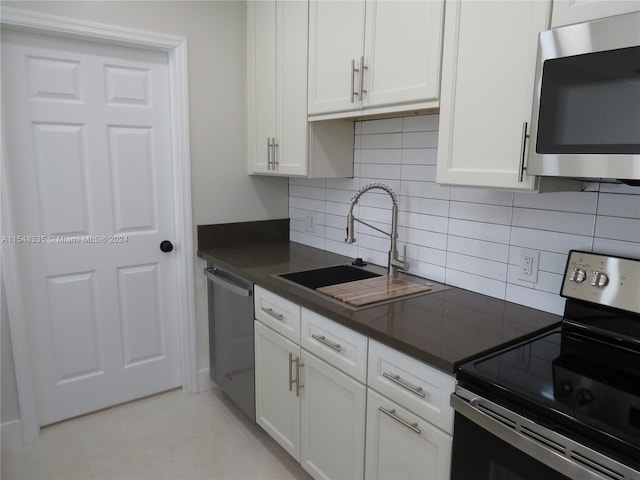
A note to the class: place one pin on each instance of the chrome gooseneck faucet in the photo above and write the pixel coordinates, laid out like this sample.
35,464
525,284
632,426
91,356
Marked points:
394,263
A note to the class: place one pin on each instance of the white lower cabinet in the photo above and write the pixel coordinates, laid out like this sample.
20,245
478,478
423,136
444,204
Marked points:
315,411
277,407
402,445
333,421
312,398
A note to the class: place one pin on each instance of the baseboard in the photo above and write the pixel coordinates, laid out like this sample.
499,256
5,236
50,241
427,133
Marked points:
12,434
204,380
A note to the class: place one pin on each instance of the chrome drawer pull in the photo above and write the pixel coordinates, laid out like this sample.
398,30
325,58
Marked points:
270,312
322,339
396,379
392,413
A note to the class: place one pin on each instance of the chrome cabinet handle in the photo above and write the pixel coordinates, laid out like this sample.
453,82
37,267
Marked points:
297,379
523,151
392,413
268,153
270,312
298,367
291,371
353,80
362,69
322,339
274,157
398,381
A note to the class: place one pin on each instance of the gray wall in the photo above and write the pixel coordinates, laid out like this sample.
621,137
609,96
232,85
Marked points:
221,189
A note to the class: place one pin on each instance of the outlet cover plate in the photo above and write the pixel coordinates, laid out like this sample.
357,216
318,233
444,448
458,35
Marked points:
528,265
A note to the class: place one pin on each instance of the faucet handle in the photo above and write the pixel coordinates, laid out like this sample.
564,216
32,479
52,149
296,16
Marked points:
400,264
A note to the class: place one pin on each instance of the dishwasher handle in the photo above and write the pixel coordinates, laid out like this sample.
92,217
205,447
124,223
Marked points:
221,278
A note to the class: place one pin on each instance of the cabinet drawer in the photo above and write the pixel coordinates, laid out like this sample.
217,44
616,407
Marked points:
338,345
413,384
278,313
400,444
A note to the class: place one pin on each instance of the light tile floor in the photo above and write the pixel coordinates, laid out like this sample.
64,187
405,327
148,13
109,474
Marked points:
171,436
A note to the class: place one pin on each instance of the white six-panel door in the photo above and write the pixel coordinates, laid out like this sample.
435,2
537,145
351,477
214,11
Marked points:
90,184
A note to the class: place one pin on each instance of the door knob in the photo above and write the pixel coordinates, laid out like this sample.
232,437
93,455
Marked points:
166,246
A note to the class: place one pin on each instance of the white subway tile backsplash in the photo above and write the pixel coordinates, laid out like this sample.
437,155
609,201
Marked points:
475,283
482,195
576,202
382,140
419,156
428,206
431,256
615,228
549,302
424,190
421,123
380,172
425,173
420,140
478,248
614,205
480,231
477,266
467,237
432,223
549,241
480,212
555,221
617,247
389,156
386,125
425,238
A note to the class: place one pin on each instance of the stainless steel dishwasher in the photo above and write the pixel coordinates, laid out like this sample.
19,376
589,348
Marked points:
231,337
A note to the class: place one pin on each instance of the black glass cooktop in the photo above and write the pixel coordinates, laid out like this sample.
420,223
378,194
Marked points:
585,388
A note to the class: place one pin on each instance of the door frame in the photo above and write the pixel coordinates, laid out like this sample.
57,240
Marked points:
176,49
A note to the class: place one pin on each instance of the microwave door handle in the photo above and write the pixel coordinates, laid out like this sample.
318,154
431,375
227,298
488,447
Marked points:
523,152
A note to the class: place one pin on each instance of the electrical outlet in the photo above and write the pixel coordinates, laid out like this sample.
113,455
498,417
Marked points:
310,223
528,266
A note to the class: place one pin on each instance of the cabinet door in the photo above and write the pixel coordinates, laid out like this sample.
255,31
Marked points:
333,421
566,12
402,51
487,89
336,36
292,137
261,82
277,408
401,445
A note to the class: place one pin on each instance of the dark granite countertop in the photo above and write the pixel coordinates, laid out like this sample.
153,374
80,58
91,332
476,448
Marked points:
443,329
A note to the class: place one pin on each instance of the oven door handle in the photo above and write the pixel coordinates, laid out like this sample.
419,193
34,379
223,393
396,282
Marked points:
226,281
554,450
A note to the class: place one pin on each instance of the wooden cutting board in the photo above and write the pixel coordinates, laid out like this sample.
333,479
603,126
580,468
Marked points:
372,290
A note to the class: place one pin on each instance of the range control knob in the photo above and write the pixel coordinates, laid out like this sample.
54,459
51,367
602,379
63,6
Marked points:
599,279
584,396
564,388
578,275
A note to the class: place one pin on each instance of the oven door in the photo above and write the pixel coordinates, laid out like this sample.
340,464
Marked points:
491,442
479,454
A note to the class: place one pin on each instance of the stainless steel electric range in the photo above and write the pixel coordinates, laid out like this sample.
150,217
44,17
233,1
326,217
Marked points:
565,404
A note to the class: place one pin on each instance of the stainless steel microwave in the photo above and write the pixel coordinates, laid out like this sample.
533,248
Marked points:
586,102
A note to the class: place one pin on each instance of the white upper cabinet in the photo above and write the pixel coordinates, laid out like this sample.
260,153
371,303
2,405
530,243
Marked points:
566,12
336,36
280,140
488,72
369,57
